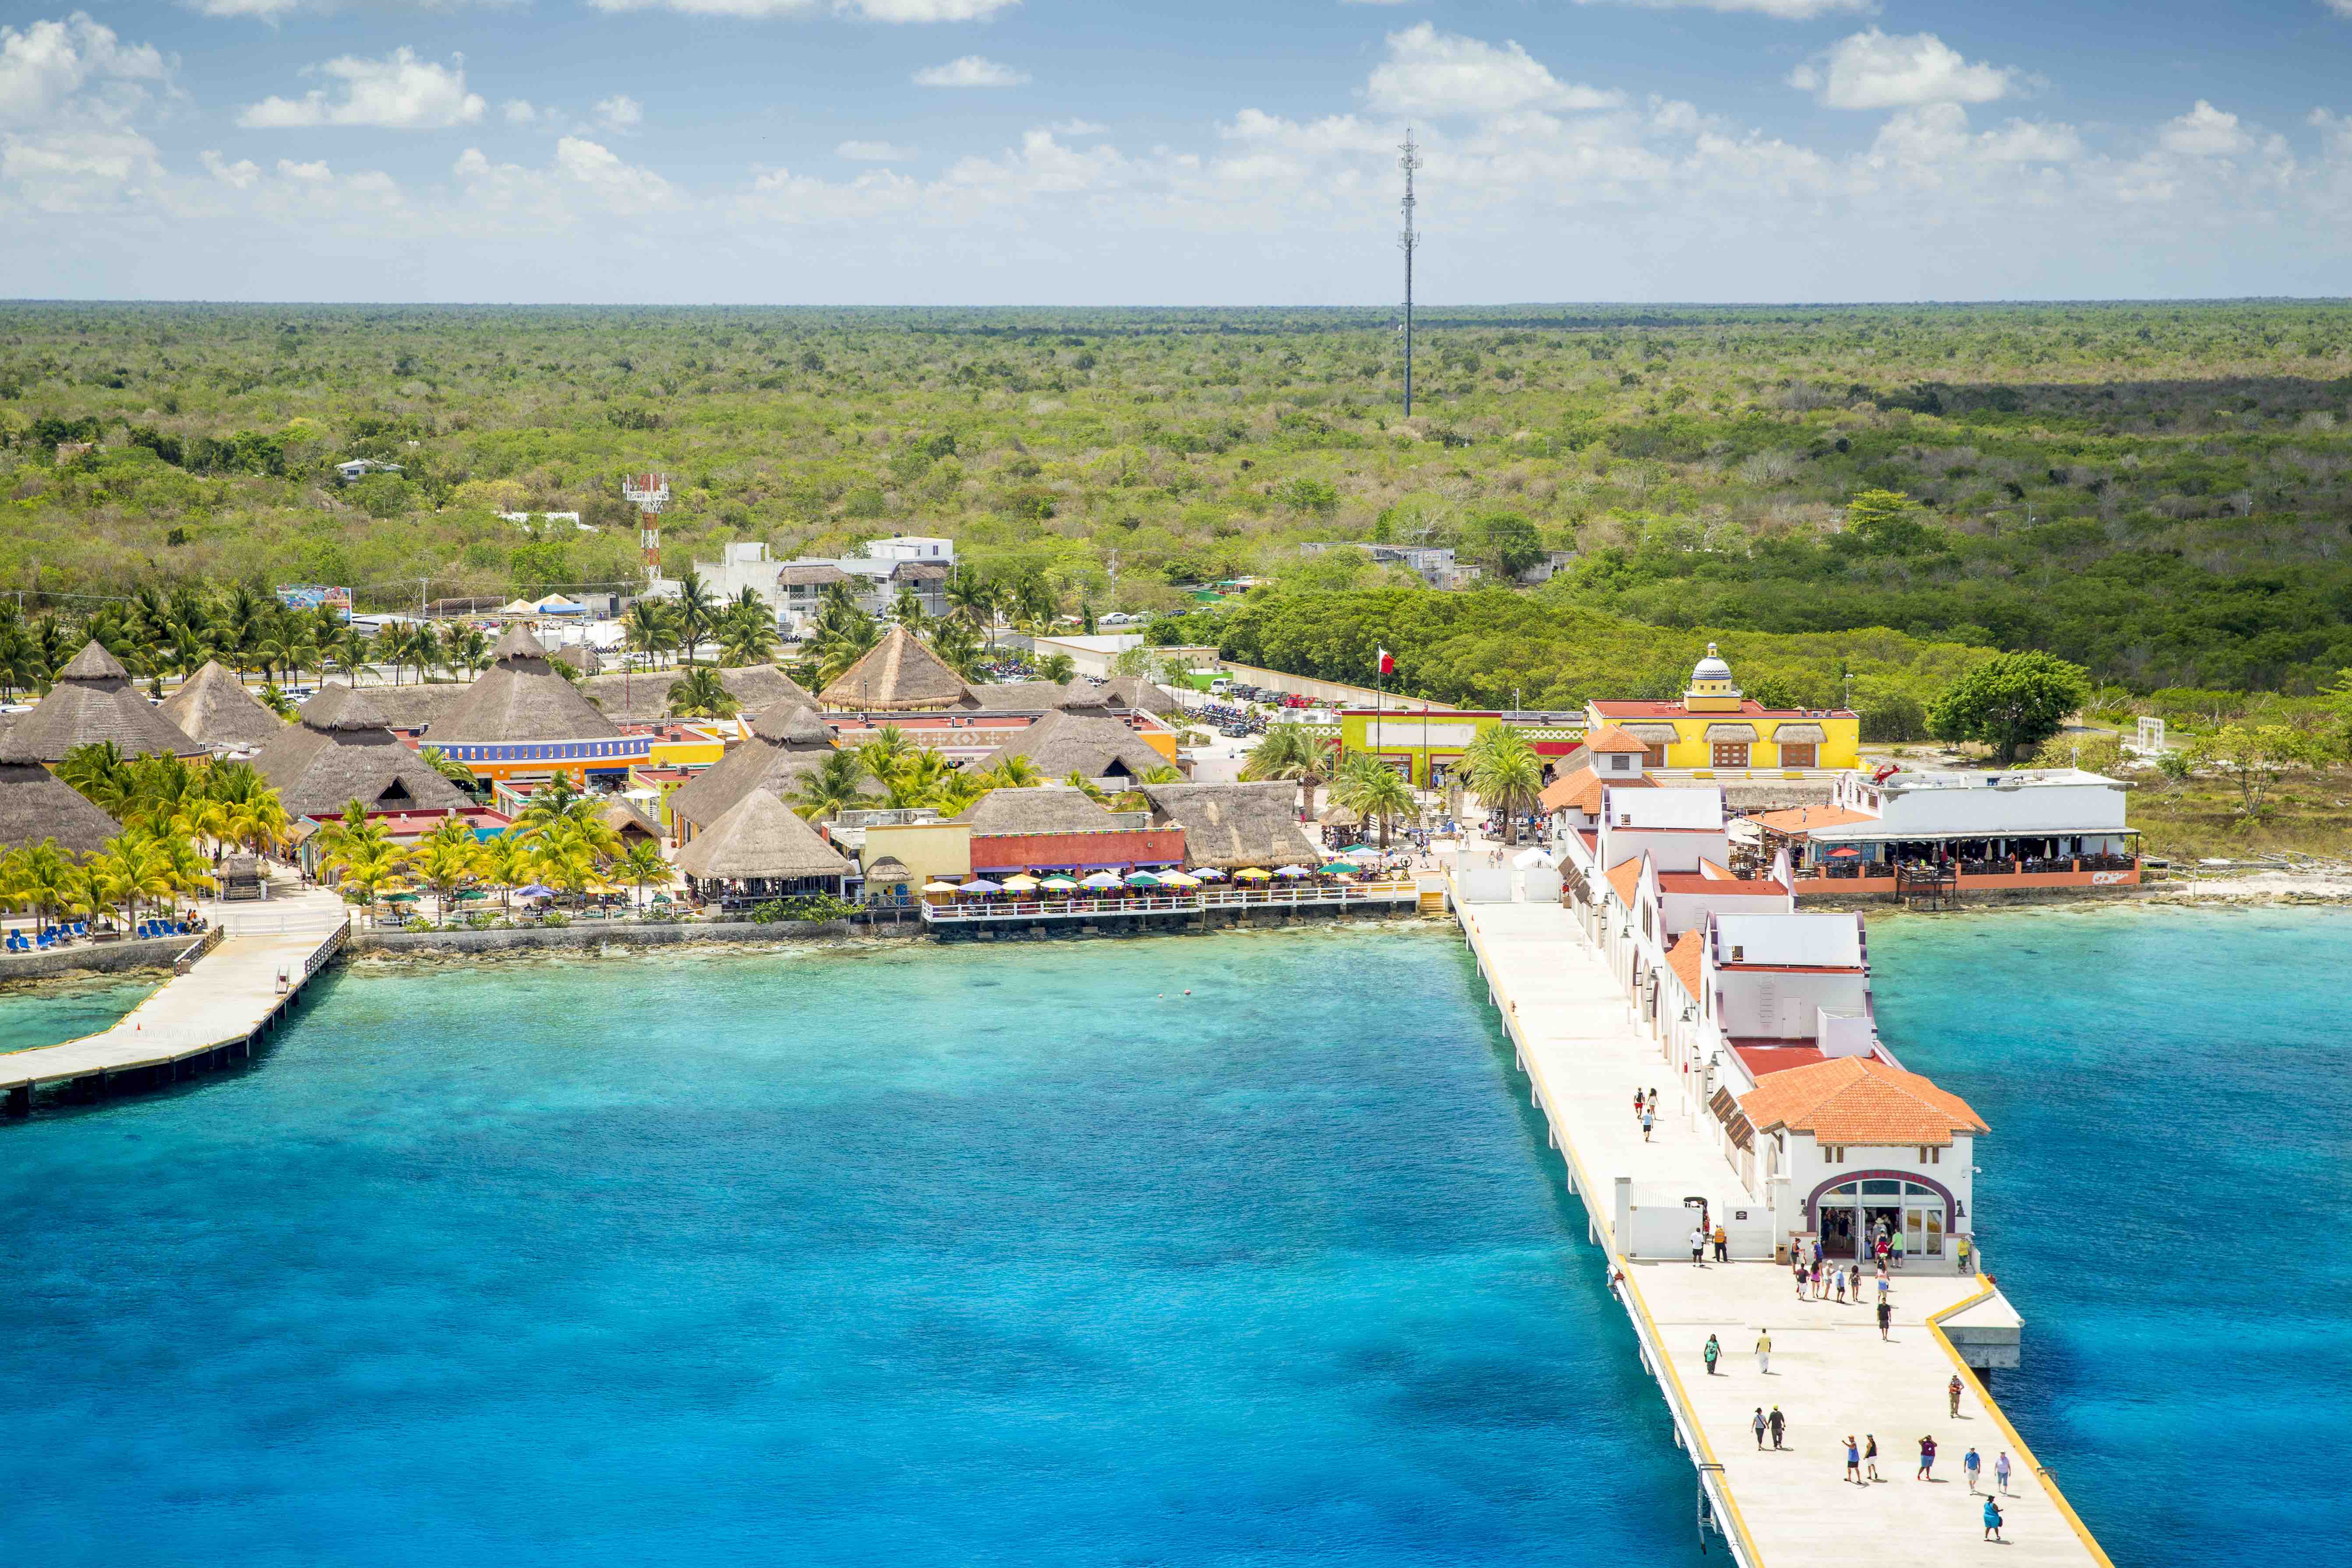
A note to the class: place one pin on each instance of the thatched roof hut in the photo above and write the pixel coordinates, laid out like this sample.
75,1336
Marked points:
214,708
628,823
1017,697
899,674
787,741
760,841
580,657
887,869
35,803
343,751
520,698
1092,746
642,696
1233,824
1136,695
1045,808
93,701
415,706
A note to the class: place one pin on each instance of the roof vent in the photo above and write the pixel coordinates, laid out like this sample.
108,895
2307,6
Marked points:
1738,954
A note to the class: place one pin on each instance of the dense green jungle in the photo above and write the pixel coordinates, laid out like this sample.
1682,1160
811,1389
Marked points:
2161,493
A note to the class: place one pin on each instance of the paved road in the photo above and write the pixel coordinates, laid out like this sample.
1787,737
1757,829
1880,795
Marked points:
1831,1374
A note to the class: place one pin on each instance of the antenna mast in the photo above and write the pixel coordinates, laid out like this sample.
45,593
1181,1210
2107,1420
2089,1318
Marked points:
649,493
1408,242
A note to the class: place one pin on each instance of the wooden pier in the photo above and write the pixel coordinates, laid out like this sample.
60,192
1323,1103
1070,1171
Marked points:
207,1015
1399,895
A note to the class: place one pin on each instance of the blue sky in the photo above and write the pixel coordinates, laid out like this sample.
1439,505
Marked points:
1047,151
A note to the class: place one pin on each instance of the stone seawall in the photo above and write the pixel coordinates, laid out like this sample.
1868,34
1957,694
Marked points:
601,935
102,958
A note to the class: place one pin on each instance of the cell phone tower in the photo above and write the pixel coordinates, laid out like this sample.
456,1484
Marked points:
648,493
1408,242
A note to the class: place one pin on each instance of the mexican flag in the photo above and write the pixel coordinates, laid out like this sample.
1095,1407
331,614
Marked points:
1388,662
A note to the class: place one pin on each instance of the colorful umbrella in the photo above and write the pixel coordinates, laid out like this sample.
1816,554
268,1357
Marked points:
1141,879
1251,874
1844,852
1178,879
1292,871
1210,874
1059,883
1023,883
1336,867
536,891
1102,880
941,888
400,897
981,885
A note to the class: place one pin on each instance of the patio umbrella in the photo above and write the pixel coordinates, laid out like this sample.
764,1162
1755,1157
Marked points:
1845,852
1023,883
661,898
1210,874
1178,879
470,894
1251,874
400,897
1059,883
1142,879
941,888
1292,871
981,885
1529,859
1102,880
1338,866
536,891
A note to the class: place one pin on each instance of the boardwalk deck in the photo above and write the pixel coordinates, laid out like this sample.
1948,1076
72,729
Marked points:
206,1017
1831,1374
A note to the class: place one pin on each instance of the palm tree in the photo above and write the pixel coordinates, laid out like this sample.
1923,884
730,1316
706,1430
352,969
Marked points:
698,611
642,864
959,646
441,762
838,641
834,785
444,861
747,633
1508,778
1057,668
1015,772
505,864
974,600
649,629
367,868
39,876
1288,751
952,794
882,755
699,692
916,780
1372,789
468,647
390,647
99,773
353,651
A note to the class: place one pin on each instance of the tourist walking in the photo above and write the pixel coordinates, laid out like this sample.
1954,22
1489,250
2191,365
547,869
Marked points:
1637,1105
1870,1456
1764,1352
1853,1460
1962,1242
2001,1471
1800,1270
1777,1421
1992,1520
1895,1248
1839,1279
1926,1460
1760,1423
1953,1389
1698,1247
1648,1120
1722,1245
1886,1316
1972,1466
1714,1352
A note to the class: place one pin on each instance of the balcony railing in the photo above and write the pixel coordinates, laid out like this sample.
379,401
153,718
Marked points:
975,912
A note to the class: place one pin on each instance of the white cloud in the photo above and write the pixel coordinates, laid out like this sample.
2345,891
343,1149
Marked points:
43,68
1430,72
2341,7
316,173
239,175
518,112
1077,127
969,71
1372,2
1884,70
620,112
399,92
925,10
873,153
762,10
2205,132
1779,10
267,10
1939,134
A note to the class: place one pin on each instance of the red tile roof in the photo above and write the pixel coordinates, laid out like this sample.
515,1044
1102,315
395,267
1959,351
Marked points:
1860,1101
1683,958
1762,1060
1748,709
1613,740
1626,879
1723,887
1580,790
1801,819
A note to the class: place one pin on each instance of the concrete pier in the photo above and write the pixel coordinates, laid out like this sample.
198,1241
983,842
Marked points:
1830,1375
200,1020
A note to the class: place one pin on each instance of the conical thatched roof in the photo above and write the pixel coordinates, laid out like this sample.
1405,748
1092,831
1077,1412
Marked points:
342,753
520,698
759,686
415,705
1234,825
1045,808
1089,745
760,839
623,818
642,696
787,741
580,657
92,701
215,708
35,803
899,674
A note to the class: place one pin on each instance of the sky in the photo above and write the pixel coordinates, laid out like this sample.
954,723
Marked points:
1173,151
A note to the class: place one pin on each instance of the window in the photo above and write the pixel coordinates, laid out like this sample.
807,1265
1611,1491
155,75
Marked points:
1928,1156
1833,1154
1620,760
1797,754
1731,753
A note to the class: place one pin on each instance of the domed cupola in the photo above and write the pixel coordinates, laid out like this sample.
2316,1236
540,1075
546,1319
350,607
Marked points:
1711,690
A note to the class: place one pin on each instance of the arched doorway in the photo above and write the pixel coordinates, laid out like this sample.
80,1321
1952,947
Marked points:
1860,1207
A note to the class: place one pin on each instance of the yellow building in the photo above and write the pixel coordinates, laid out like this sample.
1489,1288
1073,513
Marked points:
1713,732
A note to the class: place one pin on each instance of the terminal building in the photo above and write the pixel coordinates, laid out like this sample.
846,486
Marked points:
1713,732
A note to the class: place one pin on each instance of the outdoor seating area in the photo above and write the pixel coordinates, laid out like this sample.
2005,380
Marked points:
1061,894
65,933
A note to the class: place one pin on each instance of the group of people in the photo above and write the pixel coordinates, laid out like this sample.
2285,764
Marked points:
1824,1278
1645,1110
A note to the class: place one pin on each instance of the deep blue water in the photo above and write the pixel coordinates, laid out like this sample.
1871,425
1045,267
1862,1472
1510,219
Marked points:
2164,1198
918,1257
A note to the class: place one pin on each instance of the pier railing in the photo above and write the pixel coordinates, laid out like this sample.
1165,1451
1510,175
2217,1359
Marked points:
980,912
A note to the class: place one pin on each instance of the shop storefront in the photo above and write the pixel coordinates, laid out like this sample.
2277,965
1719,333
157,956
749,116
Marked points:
1859,1210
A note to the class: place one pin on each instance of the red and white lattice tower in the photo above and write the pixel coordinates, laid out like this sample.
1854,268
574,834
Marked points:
648,493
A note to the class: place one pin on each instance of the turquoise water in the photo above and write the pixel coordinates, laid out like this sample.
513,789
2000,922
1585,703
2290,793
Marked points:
48,1017
920,1256
2165,1199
